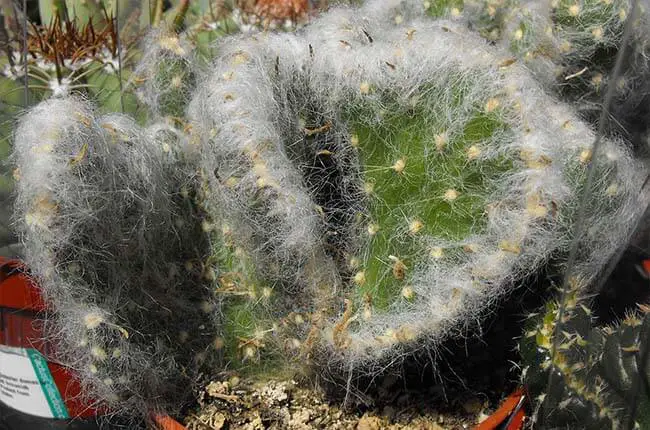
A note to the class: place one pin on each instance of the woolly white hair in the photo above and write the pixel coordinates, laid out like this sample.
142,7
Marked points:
246,141
99,207
164,76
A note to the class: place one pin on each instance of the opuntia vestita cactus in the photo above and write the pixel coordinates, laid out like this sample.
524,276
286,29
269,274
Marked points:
107,231
467,173
386,176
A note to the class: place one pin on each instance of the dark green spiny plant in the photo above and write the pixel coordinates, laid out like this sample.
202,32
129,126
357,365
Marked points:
580,375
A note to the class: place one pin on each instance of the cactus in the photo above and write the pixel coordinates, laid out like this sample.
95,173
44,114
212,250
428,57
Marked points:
76,50
466,174
343,193
95,195
91,165
165,74
600,374
63,57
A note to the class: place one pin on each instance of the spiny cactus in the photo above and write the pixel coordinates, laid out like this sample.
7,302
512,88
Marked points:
450,174
108,229
600,374
62,57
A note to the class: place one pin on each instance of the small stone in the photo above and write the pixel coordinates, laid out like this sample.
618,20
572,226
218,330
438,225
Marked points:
367,422
215,388
300,418
217,421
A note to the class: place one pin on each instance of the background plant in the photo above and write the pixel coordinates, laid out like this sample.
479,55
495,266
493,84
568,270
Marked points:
599,372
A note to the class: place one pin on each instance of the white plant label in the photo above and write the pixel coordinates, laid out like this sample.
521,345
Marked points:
26,383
